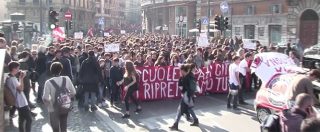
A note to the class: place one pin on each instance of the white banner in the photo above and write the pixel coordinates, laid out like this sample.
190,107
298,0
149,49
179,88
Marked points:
268,65
123,32
203,40
112,48
78,35
249,44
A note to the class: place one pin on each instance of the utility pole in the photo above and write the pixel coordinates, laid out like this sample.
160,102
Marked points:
208,32
41,18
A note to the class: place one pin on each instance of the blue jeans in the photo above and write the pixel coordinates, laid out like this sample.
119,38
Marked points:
184,107
230,96
90,97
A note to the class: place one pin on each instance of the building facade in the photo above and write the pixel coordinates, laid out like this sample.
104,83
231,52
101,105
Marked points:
174,17
269,21
133,12
4,12
109,14
36,11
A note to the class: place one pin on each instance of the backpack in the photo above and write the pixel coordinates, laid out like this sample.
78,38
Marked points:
9,98
62,103
271,124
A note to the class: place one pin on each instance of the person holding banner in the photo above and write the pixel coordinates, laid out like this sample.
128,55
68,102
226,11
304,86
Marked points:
243,70
188,91
131,80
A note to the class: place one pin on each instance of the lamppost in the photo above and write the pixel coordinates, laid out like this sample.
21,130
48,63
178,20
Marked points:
180,23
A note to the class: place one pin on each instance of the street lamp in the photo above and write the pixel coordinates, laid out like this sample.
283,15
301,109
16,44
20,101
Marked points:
180,22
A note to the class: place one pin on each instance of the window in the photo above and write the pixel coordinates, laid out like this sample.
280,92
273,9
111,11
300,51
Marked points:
249,31
261,31
36,2
275,9
22,1
98,10
237,30
250,10
275,33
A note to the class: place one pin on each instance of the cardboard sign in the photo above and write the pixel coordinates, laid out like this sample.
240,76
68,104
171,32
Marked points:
123,32
270,64
249,44
112,48
203,40
78,35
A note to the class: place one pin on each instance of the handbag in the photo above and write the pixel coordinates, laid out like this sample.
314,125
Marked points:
9,97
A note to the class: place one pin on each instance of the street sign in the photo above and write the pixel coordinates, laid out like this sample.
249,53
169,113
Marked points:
224,7
101,20
205,21
68,15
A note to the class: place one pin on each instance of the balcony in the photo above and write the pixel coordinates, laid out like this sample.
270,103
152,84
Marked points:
150,2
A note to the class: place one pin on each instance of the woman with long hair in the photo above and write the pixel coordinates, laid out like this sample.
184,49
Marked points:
131,80
186,81
160,61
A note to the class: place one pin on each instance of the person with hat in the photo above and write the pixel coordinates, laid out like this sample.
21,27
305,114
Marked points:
303,84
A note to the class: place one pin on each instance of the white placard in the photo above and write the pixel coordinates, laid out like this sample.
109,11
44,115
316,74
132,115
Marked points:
112,48
123,32
203,40
78,35
267,65
106,34
34,47
249,44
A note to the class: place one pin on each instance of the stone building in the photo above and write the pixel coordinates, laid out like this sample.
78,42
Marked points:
36,11
109,13
175,17
269,21
277,21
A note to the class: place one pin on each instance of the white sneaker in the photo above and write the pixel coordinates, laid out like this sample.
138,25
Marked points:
104,104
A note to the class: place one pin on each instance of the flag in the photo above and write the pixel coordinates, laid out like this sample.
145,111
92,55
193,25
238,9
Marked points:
58,33
90,32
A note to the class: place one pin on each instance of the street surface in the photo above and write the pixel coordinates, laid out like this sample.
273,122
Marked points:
156,116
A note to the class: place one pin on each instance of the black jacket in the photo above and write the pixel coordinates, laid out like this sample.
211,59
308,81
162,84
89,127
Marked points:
90,71
41,63
185,83
67,70
116,74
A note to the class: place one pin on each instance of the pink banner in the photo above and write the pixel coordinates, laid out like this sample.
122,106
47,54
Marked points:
158,83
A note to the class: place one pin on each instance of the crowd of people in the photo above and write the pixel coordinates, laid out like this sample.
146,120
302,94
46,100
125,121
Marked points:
94,76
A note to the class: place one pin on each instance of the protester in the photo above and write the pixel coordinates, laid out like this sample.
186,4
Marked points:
243,70
116,75
90,76
303,84
291,120
234,82
131,85
310,125
187,102
52,89
16,86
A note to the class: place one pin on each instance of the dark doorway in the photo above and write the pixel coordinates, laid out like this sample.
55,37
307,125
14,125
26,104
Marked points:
309,26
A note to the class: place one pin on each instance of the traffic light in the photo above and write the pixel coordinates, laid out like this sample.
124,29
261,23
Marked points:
53,20
217,22
226,22
198,25
70,25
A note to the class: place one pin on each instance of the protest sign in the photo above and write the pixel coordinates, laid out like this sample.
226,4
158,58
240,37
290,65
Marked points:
249,44
106,34
267,65
158,83
203,40
78,35
123,32
112,48
34,47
